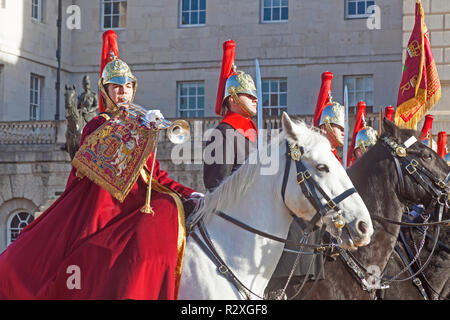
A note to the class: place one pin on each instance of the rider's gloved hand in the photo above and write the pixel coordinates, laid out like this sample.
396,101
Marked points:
153,115
193,203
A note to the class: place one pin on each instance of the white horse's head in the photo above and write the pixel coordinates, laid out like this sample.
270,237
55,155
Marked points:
331,177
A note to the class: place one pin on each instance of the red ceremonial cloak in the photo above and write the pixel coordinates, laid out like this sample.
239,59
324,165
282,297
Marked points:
88,245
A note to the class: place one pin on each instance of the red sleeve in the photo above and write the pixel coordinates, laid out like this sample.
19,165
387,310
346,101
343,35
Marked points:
162,177
90,127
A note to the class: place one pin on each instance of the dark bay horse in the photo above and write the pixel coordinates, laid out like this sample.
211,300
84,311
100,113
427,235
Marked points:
385,194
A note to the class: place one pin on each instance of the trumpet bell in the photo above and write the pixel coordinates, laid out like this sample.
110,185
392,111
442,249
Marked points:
178,132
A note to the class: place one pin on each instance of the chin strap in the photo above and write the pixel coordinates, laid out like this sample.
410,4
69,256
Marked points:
232,92
331,132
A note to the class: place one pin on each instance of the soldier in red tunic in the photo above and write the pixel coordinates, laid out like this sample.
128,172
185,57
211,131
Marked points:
329,115
89,245
235,137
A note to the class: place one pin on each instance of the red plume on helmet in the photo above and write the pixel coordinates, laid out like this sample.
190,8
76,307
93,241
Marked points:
110,51
389,112
324,98
360,123
442,144
225,72
426,129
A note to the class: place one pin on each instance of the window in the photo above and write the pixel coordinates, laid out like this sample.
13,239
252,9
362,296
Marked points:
36,10
358,8
193,13
16,223
274,97
35,96
191,99
114,14
275,10
359,88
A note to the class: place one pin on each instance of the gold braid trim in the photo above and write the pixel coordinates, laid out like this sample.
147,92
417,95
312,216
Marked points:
331,132
181,242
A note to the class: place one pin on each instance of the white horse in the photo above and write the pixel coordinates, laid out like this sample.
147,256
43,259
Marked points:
256,200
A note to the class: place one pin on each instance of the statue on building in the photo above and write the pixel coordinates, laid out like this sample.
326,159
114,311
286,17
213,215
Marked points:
87,103
79,111
75,121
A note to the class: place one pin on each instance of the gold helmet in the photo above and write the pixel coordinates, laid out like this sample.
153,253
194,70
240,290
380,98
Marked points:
118,72
366,138
333,114
238,83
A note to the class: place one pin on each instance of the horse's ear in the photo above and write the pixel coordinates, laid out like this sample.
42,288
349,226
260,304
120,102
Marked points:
389,127
288,128
73,87
66,86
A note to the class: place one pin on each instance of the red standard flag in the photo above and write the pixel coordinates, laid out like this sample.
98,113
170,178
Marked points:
420,88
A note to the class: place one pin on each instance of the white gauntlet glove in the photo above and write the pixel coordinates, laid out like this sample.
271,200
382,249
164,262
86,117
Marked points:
153,115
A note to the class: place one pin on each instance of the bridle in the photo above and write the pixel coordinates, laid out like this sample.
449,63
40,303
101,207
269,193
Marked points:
309,187
439,191
436,187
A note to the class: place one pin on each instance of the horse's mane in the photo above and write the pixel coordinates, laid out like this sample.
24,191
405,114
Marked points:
235,186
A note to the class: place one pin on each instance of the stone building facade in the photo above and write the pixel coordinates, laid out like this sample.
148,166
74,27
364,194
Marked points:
316,36
175,50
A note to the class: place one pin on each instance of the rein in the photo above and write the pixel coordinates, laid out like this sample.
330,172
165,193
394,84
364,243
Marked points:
309,187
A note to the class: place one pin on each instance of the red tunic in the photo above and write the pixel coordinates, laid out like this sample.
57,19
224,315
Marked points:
120,253
241,124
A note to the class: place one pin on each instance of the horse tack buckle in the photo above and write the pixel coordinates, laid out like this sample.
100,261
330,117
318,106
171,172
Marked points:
411,167
223,269
302,176
331,204
441,184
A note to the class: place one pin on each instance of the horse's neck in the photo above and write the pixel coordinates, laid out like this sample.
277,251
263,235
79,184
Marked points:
380,196
252,258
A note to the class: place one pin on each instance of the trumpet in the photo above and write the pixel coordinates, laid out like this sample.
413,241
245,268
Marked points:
177,131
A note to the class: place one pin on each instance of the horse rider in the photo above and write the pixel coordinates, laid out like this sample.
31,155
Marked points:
234,138
329,115
365,139
118,251
332,126
363,136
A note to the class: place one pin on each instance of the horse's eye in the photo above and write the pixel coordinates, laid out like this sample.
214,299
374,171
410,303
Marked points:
427,156
322,167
